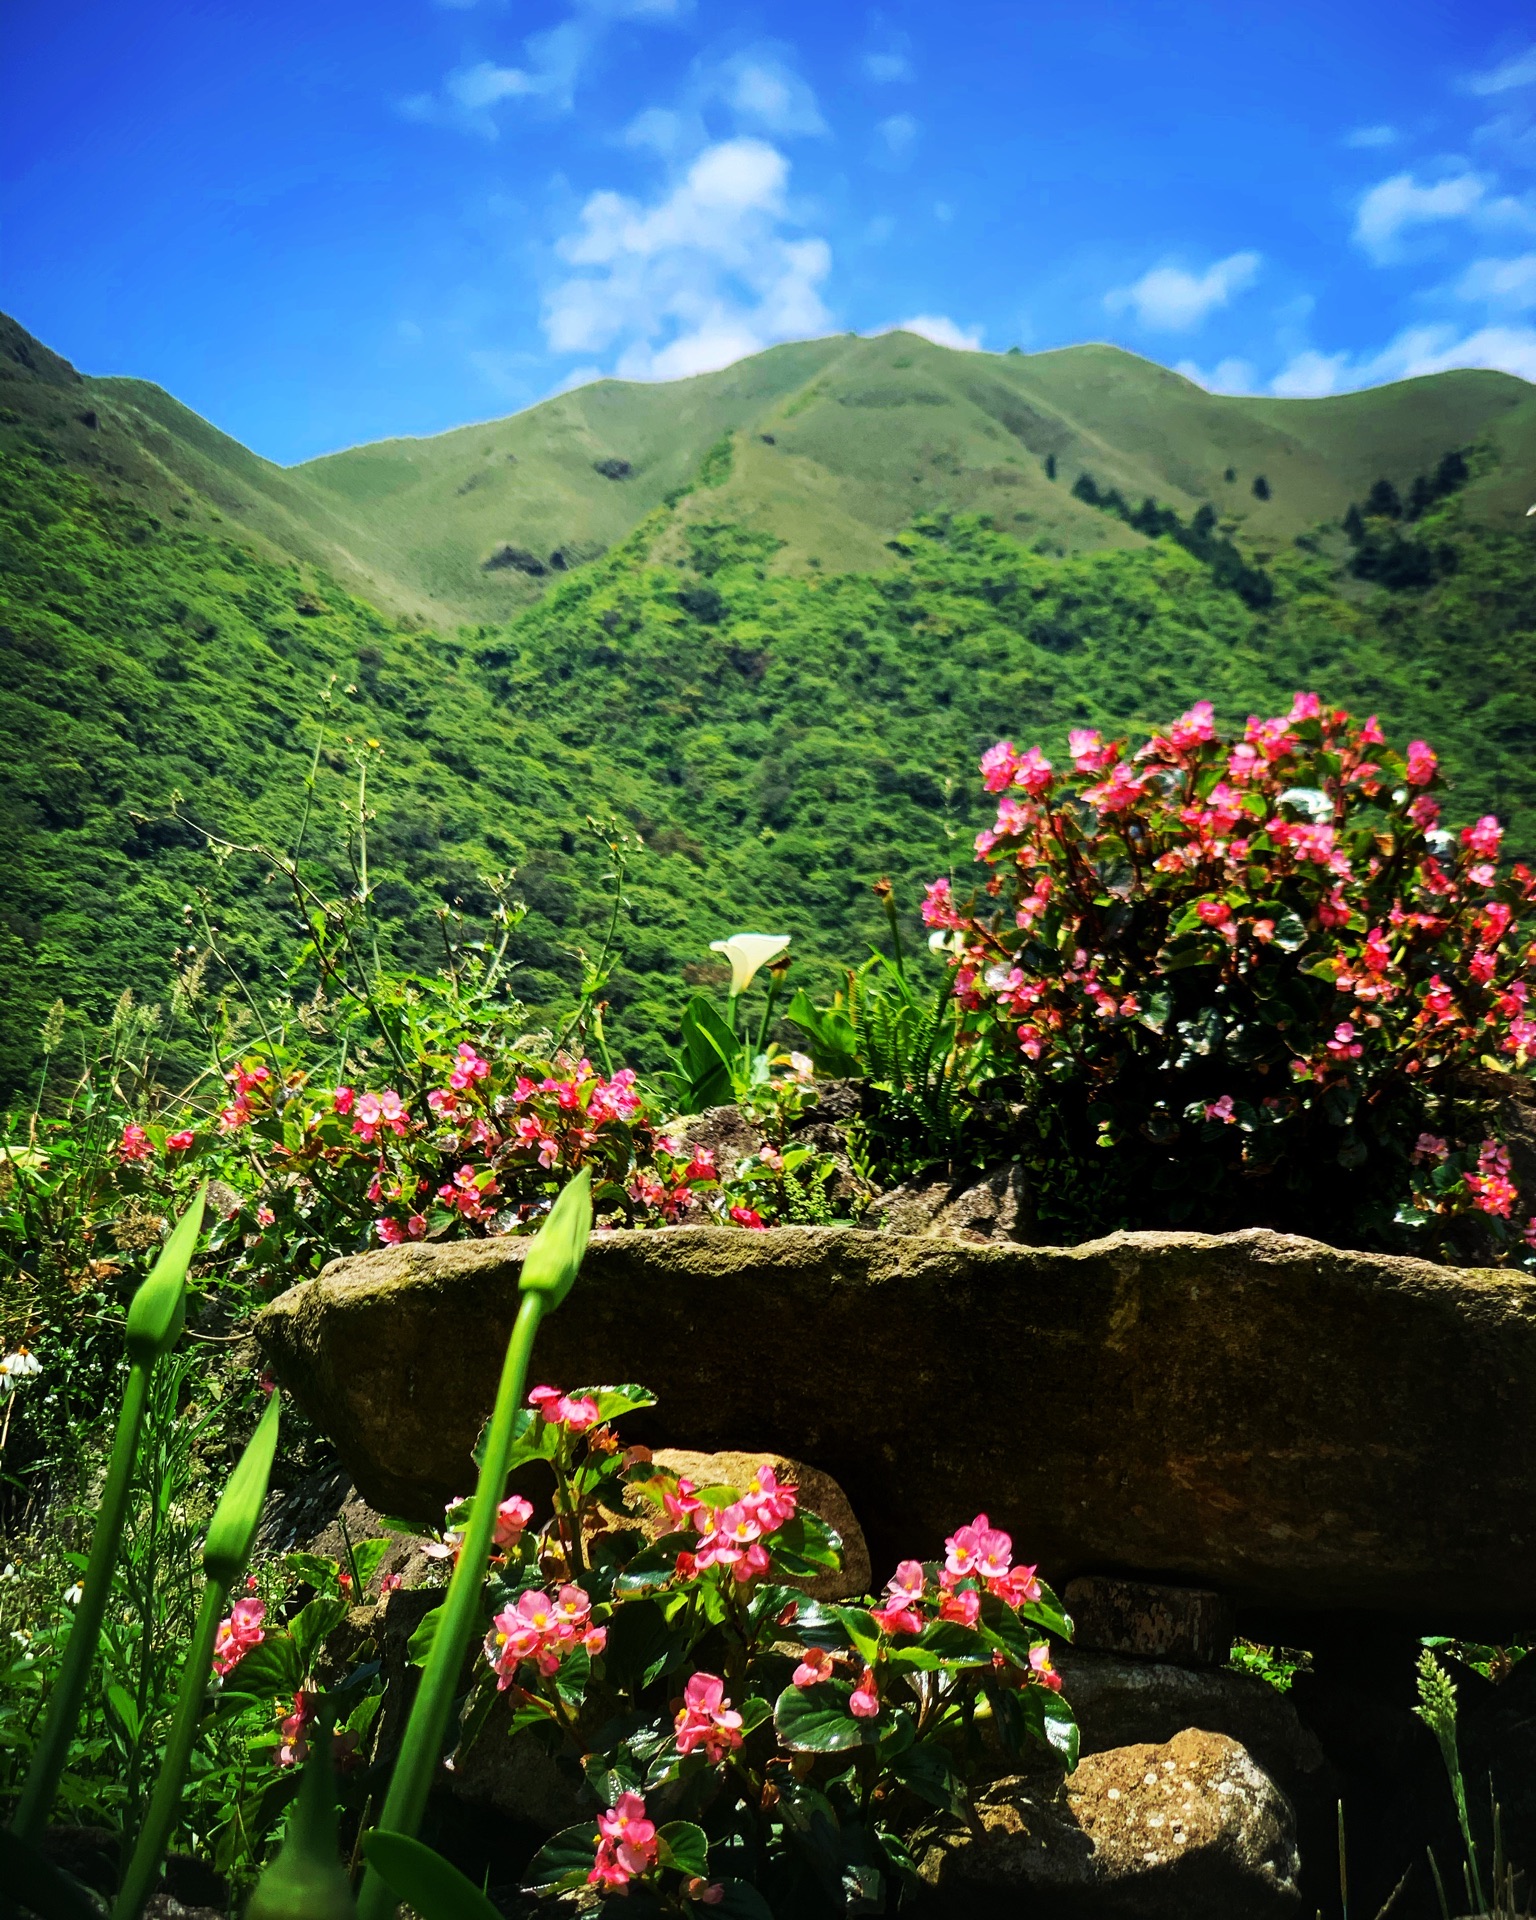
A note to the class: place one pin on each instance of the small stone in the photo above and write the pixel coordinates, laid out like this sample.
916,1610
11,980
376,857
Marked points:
818,1491
1186,1832
1190,1625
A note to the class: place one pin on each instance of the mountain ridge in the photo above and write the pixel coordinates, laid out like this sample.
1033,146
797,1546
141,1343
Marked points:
829,446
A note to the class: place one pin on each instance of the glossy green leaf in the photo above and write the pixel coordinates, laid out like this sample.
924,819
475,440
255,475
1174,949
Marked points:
555,1253
805,1545
158,1310
419,1646
927,1771
614,1402
312,1625
432,1887
817,1720
1048,1612
232,1530
739,1900
564,1861
656,1565
955,1645
269,1670
684,1846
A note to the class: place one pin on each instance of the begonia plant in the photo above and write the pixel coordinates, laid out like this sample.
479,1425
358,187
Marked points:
1253,979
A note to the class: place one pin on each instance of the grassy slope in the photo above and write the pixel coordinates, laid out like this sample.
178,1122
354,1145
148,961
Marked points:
839,443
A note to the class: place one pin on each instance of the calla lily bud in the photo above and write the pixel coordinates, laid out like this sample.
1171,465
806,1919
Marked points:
232,1531
159,1308
555,1255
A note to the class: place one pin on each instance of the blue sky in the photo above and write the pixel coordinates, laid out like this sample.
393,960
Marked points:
322,224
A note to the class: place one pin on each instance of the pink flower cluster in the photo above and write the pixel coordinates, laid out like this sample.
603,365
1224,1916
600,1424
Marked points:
626,1846
706,1719
239,1631
244,1082
732,1536
542,1630
1305,845
575,1411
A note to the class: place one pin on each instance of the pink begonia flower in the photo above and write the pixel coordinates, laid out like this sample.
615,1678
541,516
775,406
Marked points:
1041,1669
1090,753
938,909
376,1110
468,1069
773,1505
897,1618
265,1217
1215,913
293,1749
706,1719
239,1631
864,1701
1119,792
963,1605
1424,812
389,1231
627,1844
443,1103
1344,1045
818,1665
1440,1001
1305,706
1222,1110
963,1545
389,1584
342,1099
1422,761
701,1166
747,1217
1483,839
1196,726
908,1581
134,1145
179,1142
1371,734
1017,1587
512,1516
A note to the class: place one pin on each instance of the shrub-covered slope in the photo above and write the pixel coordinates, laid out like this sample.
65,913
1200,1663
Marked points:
779,741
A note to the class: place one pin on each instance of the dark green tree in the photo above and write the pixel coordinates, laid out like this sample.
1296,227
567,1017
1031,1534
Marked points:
1260,487
1383,502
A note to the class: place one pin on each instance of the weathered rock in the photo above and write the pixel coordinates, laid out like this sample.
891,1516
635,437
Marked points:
1122,1703
995,1207
517,1776
1186,1624
1191,1830
818,1491
1254,1411
726,1132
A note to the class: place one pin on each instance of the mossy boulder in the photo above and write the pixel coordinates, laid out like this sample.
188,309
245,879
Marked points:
1299,1427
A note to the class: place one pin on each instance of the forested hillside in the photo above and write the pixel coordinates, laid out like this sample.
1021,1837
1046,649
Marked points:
777,741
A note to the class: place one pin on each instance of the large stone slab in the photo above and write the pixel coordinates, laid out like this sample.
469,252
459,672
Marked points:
1293,1425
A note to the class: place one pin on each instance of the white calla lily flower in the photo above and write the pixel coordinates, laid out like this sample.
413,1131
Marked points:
746,953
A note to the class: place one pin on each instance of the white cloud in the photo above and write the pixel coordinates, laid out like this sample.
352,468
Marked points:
706,275
898,134
1371,137
658,128
1415,352
1172,300
1517,72
762,91
1227,376
552,64
1393,205
1310,375
886,68
940,329
1501,283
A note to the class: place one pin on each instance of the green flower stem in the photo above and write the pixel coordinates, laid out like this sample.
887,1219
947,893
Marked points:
416,1766
68,1695
159,1823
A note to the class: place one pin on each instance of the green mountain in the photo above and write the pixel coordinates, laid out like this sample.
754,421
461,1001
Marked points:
779,732
831,446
